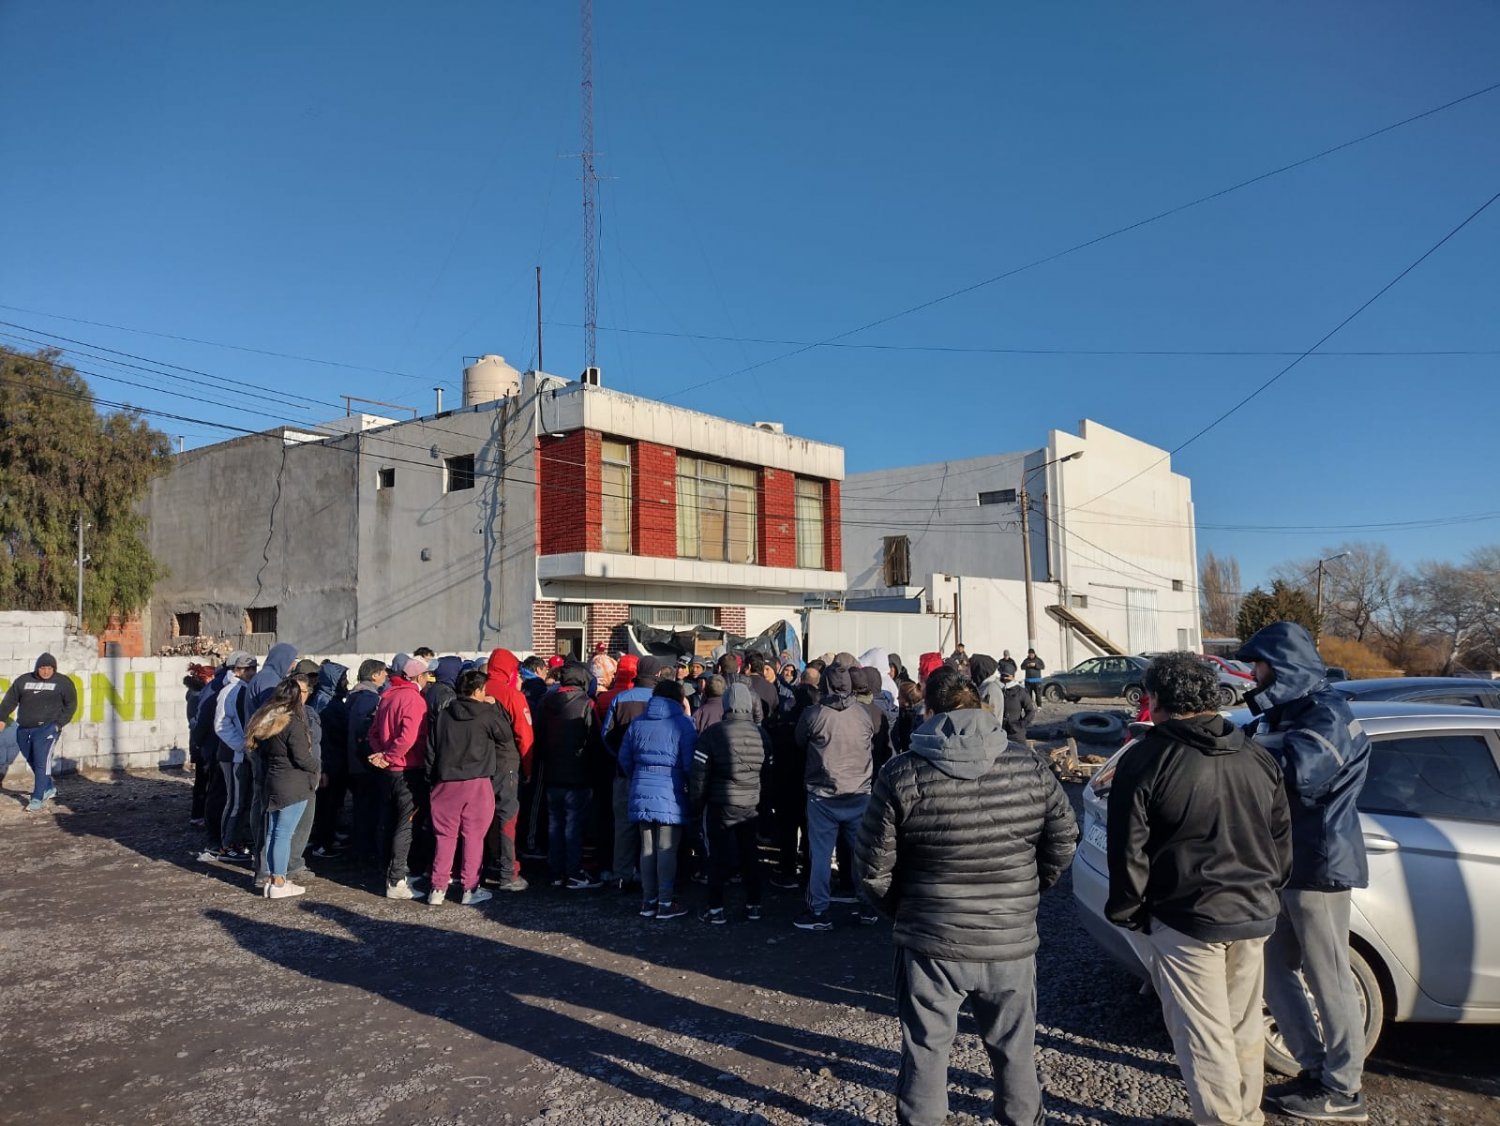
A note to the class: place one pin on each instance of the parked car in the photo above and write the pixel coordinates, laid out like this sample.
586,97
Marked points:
1337,672
1234,668
1117,677
1461,692
1424,937
1232,685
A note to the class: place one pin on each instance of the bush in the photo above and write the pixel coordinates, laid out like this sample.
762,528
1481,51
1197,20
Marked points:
1361,662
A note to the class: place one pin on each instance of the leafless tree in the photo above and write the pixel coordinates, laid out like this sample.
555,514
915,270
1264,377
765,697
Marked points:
1359,581
1219,594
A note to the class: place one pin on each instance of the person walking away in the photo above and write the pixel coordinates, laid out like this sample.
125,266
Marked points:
623,710
43,704
837,736
1199,843
1032,668
1016,709
725,788
398,742
960,837
232,712
1324,755
364,779
278,736
462,761
571,748
518,803
656,756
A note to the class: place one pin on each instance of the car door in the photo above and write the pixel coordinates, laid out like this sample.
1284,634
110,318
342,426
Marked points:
1083,680
1113,675
1431,815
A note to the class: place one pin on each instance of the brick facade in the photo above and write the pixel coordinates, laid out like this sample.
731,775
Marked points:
776,518
732,619
544,628
833,528
568,510
129,635
606,621
653,500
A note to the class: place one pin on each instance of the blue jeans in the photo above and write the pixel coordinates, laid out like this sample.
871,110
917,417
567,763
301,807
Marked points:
282,823
567,806
828,819
36,745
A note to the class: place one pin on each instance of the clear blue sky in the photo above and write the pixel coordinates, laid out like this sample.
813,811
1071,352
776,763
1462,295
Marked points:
373,183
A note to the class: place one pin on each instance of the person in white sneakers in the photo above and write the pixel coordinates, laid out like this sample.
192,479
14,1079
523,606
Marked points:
278,733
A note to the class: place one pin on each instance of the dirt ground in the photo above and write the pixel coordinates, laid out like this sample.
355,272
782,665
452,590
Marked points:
143,986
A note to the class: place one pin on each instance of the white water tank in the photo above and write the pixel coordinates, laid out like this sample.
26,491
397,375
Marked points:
489,378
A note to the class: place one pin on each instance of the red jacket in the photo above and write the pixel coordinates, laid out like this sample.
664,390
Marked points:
927,663
624,677
399,729
503,686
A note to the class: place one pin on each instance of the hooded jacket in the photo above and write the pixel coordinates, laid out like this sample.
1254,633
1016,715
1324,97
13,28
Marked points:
865,681
657,755
399,730
1199,836
623,678
962,834
444,688
503,685
838,735
53,700
468,739
1016,710
1323,753
626,706
568,731
232,711
281,739
927,664
359,714
730,757
278,664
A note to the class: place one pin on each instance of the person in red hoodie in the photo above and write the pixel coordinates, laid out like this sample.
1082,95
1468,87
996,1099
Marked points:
398,740
624,678
503,685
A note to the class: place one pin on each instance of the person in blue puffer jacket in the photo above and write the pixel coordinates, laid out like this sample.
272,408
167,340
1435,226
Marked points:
656,756
1324,755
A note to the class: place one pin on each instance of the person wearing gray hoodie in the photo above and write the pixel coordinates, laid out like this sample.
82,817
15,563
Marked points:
961,835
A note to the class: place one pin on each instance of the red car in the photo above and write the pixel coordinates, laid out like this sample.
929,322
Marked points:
1233,668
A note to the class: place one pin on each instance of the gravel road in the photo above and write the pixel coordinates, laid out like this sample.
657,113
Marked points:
145,987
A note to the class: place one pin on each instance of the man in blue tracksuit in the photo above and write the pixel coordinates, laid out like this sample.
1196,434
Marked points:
1324,755
47,702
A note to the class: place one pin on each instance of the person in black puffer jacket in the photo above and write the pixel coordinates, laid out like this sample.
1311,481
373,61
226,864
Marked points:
278,736
728,764
961,835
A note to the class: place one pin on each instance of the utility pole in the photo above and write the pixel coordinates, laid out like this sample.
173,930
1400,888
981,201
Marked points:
539,366
1024,499
82,559
590,198
1319,615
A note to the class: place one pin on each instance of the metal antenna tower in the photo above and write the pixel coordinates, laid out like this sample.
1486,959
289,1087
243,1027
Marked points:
590,196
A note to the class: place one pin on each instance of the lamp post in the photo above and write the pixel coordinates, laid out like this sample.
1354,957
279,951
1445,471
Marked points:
1025,502
1319,615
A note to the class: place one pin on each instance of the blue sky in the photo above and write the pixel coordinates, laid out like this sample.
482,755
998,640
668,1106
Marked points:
373,184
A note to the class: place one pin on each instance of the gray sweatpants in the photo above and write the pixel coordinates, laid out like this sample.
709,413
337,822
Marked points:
1002,996
1310,988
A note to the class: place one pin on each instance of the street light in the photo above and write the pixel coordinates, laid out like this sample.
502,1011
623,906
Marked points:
1318,618
1026,542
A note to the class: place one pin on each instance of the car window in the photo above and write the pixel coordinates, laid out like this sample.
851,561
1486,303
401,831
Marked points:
1433,776
1461,699
1088,666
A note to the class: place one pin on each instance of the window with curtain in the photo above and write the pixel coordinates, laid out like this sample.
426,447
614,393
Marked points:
614,496
715,511
810,524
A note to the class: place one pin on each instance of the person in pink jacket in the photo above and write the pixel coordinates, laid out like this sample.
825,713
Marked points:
398,740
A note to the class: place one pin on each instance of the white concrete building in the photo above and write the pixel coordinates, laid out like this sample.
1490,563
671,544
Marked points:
1112,543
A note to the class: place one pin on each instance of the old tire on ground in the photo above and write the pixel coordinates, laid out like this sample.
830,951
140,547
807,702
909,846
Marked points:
1371,1008
1053,694
1097,727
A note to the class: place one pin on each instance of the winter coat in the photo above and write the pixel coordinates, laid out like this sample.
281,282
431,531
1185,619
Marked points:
838,735
1032,668
281,739
359,714
273,671
568,731
1323,753
657,755
730,757
1199,836
467,741
927,664
203,744
623,711
880,661
399,731
232,711
1016,710
503,685
41,702
712,711
623,678
961,836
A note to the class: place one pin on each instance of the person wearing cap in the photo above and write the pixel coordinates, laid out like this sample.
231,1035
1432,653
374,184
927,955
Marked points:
1016,707
624,709
398,740
364,779
232,711
46,704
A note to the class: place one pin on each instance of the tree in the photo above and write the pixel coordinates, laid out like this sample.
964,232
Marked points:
1359,582
1282,604
1219,594
60,460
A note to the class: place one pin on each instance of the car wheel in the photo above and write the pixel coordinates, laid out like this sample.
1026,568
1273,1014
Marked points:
1226,696
1371,1009
1097,727
1134,695
1053,694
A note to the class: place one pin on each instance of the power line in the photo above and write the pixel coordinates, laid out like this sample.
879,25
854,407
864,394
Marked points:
1096,240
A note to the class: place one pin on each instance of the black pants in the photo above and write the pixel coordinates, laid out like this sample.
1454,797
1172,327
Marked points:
329,810
731,835
201,772
405,797
365,843
500,839
787,778
214,796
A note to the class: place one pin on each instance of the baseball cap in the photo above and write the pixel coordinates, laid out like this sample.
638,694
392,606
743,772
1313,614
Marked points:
239,659
305,667
413,668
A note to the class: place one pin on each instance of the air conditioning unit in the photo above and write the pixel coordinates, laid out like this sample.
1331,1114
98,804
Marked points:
771,427
590,377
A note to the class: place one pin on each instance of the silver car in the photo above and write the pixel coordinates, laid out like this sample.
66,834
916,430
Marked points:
1425,935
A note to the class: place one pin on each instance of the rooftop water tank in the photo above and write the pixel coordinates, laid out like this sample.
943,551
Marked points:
489,378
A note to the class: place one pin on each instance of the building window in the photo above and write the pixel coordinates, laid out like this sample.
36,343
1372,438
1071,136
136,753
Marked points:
571,613
998,496
1177,585
896,561
1078,601
810,524
715,511
667,617
458,473
261,619
188,625
614,496
386,478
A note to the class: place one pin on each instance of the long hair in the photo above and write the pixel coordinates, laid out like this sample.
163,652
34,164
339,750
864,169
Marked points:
272,716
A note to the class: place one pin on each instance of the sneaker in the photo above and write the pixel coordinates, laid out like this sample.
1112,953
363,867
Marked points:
557,883
713,916
583,882
235,855
752,912
283,891
865,917
196,822
34,805
809,921
517,884
783,881
1304,1083
399,890
209,855
1321,1105
51,794
648,910
323,852
436,897
670,910
475,896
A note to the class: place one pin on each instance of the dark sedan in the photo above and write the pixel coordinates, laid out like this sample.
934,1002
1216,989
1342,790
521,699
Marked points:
1109,677
1464,692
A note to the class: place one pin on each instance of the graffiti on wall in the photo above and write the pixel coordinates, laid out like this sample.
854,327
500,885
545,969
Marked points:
130,696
